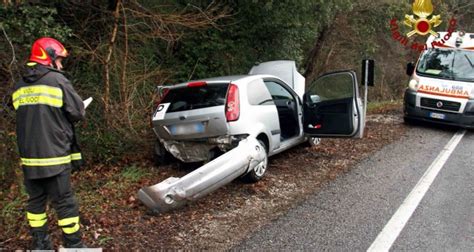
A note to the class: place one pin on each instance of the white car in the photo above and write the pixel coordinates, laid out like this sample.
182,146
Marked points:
199,120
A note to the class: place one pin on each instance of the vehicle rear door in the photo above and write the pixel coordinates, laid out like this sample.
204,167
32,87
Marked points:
196,111
330,107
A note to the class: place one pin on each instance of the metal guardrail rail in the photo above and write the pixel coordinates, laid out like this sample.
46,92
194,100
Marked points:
175,192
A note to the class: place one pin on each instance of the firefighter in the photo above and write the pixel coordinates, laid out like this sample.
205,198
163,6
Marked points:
46,107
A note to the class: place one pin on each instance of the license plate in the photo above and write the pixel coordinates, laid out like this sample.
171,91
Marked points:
186,129
437,116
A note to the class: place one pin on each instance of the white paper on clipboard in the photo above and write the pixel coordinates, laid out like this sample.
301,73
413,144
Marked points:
87,102
161,111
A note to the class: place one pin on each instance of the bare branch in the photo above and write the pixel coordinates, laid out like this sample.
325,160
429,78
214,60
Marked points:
13,61
90,50
163,25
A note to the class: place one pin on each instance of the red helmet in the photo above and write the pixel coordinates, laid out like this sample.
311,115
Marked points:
45,50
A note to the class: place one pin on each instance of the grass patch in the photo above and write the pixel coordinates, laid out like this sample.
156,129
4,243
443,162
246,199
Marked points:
12,211
133,173
380,105
110,188
92,200
103,240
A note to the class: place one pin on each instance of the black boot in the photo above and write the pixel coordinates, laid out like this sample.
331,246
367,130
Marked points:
73,240
41,241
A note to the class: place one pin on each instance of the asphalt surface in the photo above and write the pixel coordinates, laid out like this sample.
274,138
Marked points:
349,213
445,219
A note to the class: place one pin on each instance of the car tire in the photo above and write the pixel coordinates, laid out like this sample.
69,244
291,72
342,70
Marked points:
409,121
213,154
313,141
160,155
259,171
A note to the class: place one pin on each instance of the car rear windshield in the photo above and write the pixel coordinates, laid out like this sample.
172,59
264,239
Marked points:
188,98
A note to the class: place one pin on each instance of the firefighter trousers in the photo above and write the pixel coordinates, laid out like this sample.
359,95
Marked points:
57,189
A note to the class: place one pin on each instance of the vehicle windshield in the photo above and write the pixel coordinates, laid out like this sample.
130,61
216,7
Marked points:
188,98
447,64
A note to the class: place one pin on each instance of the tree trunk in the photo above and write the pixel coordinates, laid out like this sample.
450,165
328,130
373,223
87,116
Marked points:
108,57
312,60
126,102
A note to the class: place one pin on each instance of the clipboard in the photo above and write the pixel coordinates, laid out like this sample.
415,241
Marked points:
87,102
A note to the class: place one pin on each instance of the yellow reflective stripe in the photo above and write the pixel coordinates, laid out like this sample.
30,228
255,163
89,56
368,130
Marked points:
37,223
36,220
32,216
71,230
69,225
46,161
31,64
76,156
38,89
68,221
38,94
38,99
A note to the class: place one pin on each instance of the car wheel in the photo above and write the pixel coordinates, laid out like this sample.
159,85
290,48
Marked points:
313,141
160,155
409,121
259,171
213,154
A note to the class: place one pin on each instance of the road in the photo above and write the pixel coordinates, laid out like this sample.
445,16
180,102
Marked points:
350,213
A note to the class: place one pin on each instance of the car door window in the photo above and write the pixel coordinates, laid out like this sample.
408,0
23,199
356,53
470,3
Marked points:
332,87
278,92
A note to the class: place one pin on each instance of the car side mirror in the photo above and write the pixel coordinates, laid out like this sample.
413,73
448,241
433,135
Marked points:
311,100
410,68
368,67
314,99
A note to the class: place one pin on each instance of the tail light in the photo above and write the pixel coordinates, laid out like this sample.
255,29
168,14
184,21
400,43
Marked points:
197,84
232,106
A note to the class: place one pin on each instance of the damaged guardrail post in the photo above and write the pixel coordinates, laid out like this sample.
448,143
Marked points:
174,192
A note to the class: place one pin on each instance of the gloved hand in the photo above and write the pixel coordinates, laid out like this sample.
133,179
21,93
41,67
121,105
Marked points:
77,165
77,161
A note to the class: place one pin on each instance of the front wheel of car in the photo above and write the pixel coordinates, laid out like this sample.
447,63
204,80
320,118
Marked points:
259,171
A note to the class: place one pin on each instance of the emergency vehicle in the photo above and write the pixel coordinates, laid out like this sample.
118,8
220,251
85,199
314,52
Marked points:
441,86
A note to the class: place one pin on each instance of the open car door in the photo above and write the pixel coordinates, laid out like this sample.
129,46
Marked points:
332,106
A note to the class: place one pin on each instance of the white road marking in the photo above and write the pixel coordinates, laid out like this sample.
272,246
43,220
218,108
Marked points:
395,225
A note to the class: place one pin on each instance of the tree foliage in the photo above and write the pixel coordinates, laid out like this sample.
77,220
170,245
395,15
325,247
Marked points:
256,31
121,50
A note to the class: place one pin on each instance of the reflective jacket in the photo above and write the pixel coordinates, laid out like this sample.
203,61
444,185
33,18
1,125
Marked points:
46,107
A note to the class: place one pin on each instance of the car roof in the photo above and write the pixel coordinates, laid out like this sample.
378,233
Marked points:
457,40
224,79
